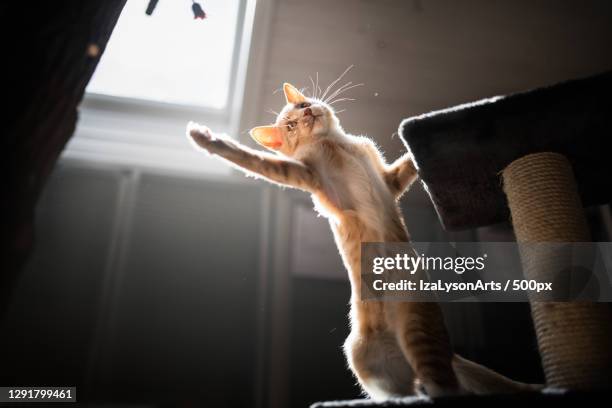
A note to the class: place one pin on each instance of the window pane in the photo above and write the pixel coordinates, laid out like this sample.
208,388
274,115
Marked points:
170,56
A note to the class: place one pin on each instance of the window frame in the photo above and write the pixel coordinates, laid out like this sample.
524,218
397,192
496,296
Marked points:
140,125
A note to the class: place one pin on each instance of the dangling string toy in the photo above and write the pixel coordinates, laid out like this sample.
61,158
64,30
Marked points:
151,7
198,11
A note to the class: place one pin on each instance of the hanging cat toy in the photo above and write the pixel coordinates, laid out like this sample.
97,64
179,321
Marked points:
198,11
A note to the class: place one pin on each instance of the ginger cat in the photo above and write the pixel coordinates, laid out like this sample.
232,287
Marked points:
392,345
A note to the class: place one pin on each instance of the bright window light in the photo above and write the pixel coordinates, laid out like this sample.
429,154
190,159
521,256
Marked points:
170,57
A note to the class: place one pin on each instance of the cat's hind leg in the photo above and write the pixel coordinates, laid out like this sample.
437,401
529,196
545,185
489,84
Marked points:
379,365
422,337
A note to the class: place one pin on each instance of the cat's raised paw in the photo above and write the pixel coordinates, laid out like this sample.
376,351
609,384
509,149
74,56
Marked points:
196,130
199,134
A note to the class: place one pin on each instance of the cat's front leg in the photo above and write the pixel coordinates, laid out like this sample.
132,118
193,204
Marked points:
401,174
252,162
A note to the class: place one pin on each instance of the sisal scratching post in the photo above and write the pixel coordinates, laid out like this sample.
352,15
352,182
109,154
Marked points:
574,338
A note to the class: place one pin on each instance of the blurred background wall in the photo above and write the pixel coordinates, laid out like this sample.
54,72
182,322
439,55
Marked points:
151,284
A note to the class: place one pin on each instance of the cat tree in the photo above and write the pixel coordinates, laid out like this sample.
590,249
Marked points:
535,158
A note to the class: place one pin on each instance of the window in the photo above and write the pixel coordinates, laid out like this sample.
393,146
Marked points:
170,57
157,73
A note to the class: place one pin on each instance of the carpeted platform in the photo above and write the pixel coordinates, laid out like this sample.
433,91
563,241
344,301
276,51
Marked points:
461,151
544,399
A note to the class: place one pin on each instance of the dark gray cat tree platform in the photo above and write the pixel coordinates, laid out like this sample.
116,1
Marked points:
540,400
536,158
461,151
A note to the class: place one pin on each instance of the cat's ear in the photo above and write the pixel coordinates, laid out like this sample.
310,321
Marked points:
270,137
292,94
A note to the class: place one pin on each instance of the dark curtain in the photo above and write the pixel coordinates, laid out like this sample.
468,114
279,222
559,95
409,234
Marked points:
49,53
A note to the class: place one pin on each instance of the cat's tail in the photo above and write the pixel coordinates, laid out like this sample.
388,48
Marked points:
476,379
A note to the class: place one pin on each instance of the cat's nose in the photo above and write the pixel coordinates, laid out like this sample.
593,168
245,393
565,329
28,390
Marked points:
307,112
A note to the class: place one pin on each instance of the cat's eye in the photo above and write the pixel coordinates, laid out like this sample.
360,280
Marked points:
303,105
291,125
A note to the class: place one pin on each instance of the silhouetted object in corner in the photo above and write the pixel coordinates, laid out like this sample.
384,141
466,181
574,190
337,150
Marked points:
49,65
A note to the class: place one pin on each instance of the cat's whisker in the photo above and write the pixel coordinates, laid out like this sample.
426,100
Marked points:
336,94
341,100
340,87
340,111
343,89
313,94
318,88
336,81
330,97
273,112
